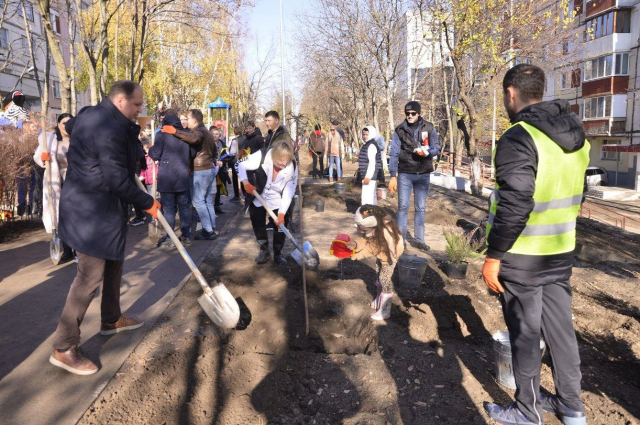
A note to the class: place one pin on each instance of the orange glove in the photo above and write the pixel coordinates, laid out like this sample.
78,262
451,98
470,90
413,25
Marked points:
366,180
419,153
168,129
393,185
249,187
45,157
280,219
490,272
153,211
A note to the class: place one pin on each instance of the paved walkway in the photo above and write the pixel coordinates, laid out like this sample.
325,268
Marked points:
32,295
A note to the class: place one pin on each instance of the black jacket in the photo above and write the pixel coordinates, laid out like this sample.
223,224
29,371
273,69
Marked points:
254,141
516,163
174,156
100,182
402,158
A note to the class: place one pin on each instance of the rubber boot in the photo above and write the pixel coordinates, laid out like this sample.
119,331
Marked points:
376,300
384,307
264,255
277,253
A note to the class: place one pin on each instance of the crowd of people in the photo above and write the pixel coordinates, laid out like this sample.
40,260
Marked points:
540,163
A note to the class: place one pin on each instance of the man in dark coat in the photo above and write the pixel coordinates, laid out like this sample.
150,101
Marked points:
254,141
173,178
94,204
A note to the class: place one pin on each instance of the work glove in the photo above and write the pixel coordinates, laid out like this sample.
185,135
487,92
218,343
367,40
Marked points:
169,129
393,185
490,272
45,157
280,220
249,188
153,211
366,180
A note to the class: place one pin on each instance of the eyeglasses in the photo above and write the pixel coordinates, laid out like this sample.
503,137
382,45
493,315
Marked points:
333,130
411,114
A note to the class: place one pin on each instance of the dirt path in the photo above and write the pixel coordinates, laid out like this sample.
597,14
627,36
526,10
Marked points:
432,362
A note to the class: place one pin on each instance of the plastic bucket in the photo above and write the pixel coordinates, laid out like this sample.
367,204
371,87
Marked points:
411,269
502,354
319,206
340,188
382,193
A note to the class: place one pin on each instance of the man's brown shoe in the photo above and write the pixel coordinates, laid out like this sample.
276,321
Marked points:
125,323
73,360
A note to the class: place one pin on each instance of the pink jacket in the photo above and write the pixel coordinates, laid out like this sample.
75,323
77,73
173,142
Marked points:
147,174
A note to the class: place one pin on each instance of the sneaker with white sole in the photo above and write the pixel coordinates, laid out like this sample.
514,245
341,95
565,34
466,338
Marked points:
552,404
125,323
73,360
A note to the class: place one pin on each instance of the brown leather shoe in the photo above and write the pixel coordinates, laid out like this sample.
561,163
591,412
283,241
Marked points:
125,323
73,360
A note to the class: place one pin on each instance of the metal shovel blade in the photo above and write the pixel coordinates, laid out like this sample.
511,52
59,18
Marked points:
55,249
155,231
220,306
310,257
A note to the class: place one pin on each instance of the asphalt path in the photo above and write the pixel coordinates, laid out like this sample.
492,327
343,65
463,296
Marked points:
32,294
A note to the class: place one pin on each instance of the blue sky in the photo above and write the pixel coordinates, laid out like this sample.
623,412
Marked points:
264,25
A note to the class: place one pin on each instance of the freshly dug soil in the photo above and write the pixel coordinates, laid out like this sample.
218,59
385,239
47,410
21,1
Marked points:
431,362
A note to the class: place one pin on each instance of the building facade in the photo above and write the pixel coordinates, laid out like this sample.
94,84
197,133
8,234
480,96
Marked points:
601,80
17,69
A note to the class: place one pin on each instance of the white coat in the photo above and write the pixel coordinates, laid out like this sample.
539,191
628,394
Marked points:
58,174
277,193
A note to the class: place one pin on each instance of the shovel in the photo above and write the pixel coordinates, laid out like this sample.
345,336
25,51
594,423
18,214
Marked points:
217,302
154,230
306,252
55,245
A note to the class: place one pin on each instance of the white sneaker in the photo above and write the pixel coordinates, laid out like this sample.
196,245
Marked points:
384,309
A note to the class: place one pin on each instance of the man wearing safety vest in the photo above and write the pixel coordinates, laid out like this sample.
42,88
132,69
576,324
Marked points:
540,164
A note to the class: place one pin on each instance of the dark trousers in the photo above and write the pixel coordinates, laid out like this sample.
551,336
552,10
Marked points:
317,157
91,273
258,219
182,200
530,310
234,180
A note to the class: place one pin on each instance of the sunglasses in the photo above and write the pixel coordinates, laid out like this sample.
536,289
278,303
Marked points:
411,114
332,130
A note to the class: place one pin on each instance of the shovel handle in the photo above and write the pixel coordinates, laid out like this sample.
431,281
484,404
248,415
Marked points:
185,255
273,216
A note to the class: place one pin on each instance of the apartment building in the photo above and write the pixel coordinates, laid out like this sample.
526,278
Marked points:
601,80
17,70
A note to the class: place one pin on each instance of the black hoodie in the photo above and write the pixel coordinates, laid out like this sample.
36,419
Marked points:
174,158
516,163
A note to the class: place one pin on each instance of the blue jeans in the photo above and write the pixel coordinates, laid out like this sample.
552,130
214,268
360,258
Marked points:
203,181
420,185
169,201
334,160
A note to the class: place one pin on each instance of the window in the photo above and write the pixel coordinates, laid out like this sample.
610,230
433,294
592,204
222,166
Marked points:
597,107
55,22
606,155
4,39
603,25
29,8
24,43
56,89
605,66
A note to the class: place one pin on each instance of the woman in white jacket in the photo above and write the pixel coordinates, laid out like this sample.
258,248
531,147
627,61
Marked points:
273,174
57,147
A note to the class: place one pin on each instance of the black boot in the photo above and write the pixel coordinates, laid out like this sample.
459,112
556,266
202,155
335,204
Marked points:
277,253
264,255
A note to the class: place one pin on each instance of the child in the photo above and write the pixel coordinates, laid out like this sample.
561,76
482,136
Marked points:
378,236
147,174
370,165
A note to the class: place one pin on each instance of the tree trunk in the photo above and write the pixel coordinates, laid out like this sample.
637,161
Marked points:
32,55
72,58
56,53
104,43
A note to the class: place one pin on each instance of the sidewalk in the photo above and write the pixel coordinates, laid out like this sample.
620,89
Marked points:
32,295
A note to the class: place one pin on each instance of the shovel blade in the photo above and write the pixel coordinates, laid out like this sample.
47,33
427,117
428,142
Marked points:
221,307
310,257
55,249
155,231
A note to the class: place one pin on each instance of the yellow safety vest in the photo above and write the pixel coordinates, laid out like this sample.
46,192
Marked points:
559,185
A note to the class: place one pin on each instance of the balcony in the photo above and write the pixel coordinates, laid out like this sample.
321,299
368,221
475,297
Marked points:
595,7
604,126
608,85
